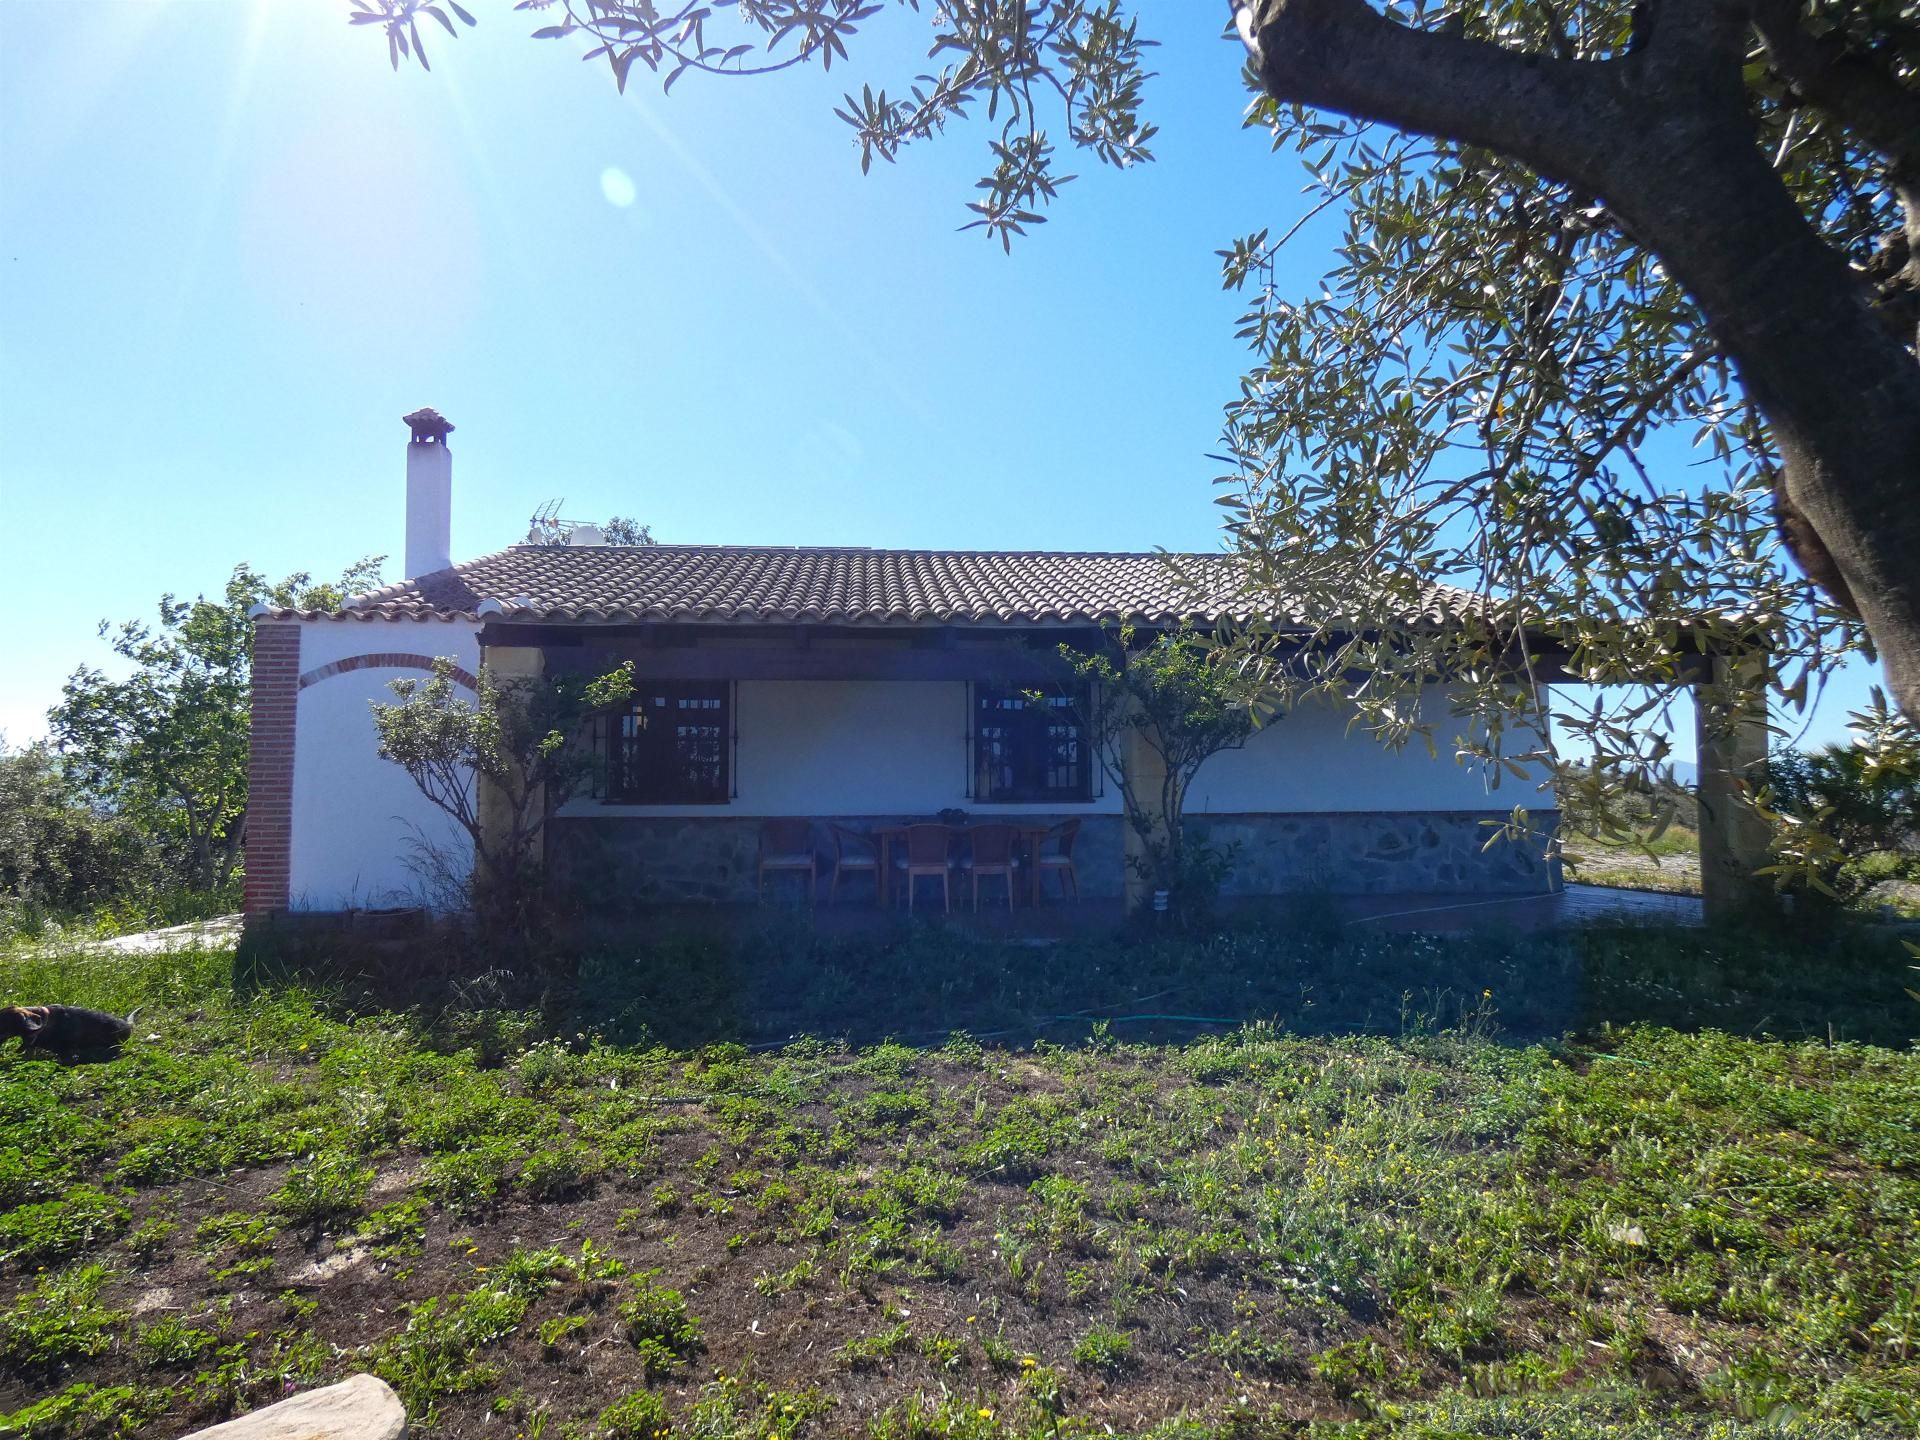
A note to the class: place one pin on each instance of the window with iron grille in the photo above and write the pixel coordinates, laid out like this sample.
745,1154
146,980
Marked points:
671,746
1029,748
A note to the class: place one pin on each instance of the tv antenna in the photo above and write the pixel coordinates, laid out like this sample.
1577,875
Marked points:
545,527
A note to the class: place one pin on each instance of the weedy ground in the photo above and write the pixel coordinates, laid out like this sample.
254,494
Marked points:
1556,1188
1670,863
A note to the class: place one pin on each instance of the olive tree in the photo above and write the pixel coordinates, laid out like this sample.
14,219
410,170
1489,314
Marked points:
1846,818
1154,712
498,765
1577,232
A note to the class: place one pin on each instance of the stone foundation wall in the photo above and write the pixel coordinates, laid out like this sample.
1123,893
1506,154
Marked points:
614,863
622,861
1382,853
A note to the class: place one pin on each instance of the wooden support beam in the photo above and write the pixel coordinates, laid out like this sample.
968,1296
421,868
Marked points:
507,662
988,663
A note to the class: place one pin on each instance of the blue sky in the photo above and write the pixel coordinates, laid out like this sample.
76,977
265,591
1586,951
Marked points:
237,248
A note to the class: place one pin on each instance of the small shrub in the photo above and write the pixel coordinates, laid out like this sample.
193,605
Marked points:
559,1171
1846,819
150,1236
168,1150
170,1342
436,1355
83,1409
398,1229
1043,1387
323,1187
546,1067
1000,1355
60,1320
54,1229
865,1352
641,1415
895,1109
945,1352
469,1181
234,1233
657,1322
556,1330
1104,1348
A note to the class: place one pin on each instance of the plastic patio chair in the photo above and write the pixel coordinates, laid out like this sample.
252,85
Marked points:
927,851
992,847
854,853
1059,863
787,845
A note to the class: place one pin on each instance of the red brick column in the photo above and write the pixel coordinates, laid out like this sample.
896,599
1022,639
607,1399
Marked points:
276,688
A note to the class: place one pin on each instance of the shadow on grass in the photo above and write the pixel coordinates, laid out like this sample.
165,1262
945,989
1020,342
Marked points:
1301,972
1305,975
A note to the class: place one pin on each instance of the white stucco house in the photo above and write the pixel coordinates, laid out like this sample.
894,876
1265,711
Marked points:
831,684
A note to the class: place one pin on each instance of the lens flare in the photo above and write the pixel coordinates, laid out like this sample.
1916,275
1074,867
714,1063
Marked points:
618,187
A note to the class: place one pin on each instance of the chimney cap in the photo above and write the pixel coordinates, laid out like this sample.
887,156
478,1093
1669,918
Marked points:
428,426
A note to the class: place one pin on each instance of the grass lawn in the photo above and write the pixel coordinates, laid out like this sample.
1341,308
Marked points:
1435,1189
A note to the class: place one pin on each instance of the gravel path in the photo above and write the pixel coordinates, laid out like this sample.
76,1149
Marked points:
221,931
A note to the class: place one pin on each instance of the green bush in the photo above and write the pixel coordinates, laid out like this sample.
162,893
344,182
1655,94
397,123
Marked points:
60,856
54,1229
639,1416
556,1172
1846,820
1104,1348
323,1187
658,1323
60,1320
170,1342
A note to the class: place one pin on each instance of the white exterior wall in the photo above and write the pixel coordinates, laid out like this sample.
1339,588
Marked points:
352,811
850,747
870,747
1308,760
877,747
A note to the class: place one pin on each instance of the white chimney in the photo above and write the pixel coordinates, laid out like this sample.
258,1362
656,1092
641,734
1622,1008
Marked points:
429,494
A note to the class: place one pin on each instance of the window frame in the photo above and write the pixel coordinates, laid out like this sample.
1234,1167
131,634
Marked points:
659,748
1029,725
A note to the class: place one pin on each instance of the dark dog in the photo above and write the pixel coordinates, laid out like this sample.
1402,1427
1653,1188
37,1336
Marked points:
67,1030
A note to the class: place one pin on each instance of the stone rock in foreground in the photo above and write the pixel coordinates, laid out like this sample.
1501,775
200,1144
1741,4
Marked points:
362,1408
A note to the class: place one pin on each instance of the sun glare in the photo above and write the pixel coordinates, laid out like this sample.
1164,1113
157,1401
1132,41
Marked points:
618,187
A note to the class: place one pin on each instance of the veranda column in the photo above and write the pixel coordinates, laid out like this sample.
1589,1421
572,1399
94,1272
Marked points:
506,663
1730,731
1146,773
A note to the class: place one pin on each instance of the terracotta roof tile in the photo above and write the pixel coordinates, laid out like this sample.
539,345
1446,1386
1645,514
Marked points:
620,584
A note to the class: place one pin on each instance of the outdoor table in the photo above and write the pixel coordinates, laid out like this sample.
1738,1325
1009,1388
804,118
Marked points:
884,836
1032,837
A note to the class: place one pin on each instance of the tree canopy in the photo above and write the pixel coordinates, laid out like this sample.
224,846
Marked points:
624,530
1576,236
165,747
59,855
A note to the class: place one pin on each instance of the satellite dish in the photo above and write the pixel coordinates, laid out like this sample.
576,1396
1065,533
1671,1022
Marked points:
585,535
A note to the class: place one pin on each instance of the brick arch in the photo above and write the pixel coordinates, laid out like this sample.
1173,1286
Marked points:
384,660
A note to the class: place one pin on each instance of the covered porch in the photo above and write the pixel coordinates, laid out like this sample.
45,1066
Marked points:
810,761
854,735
